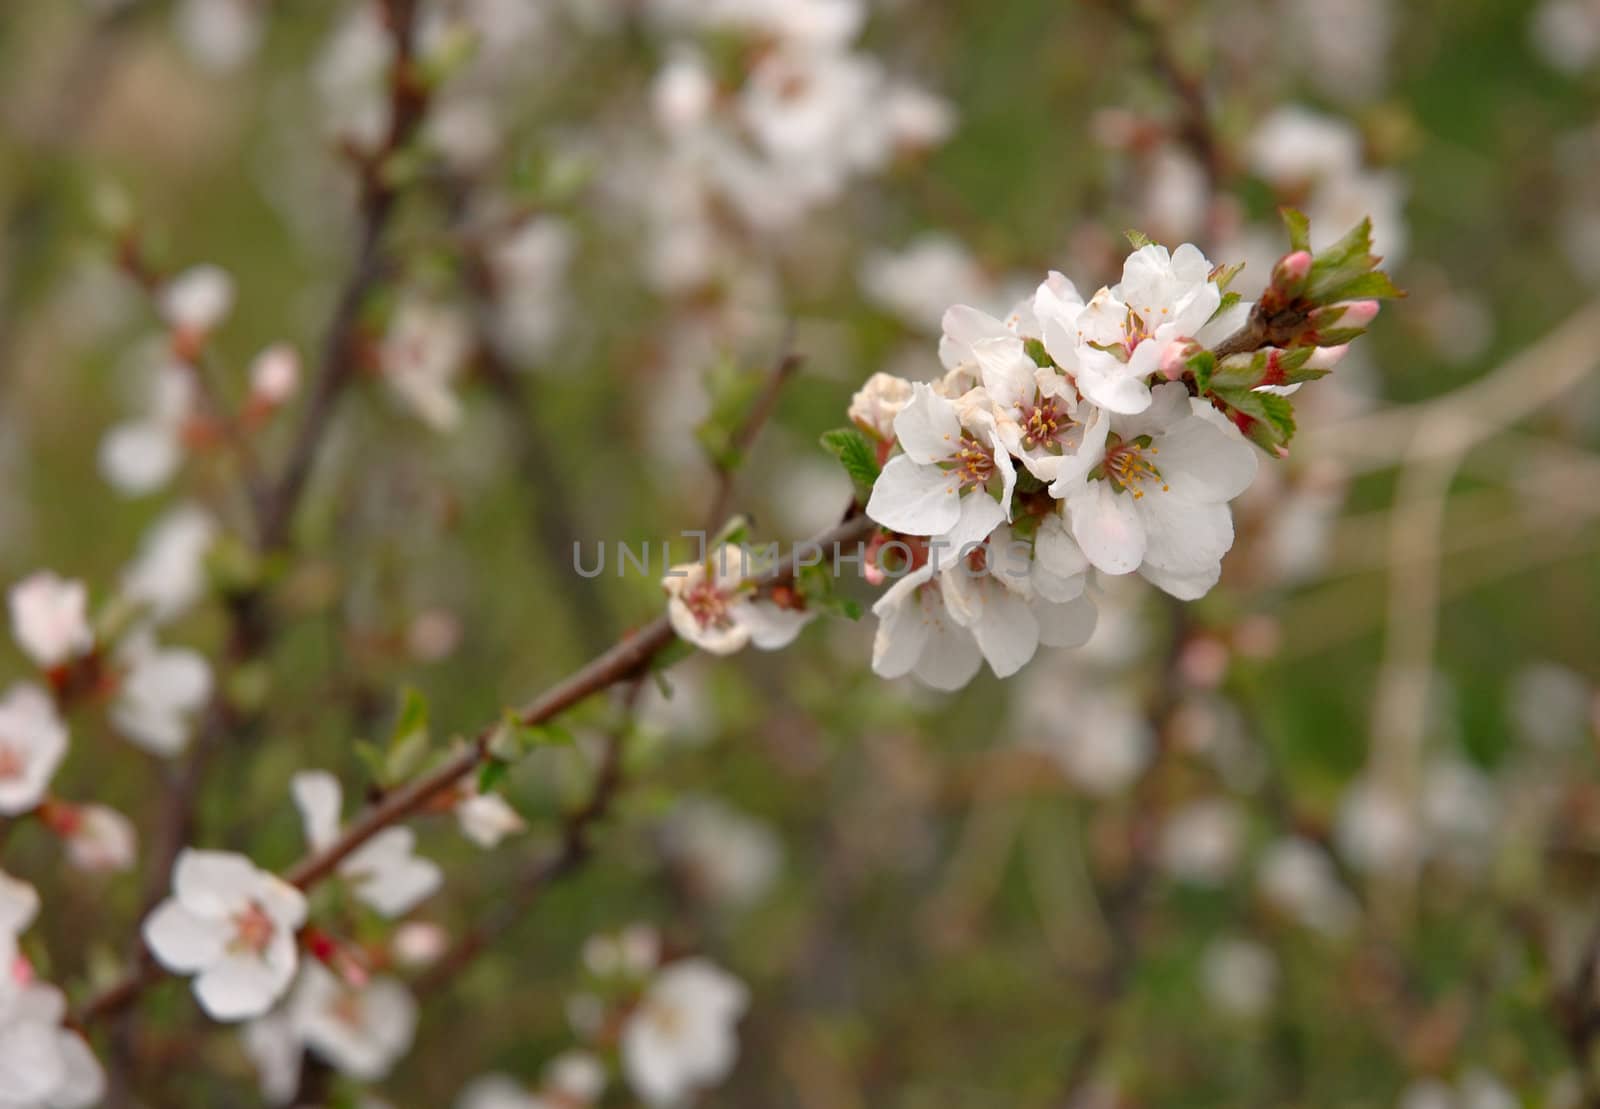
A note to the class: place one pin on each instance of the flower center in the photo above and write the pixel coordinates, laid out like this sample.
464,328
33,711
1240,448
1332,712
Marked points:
707,604
1043,423
668,1019
346,1009
12,764
253,930
1129,465
974,463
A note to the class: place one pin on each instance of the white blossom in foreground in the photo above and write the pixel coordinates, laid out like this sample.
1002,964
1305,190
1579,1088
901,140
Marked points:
714,606
50,618
33,741
681,1038
1124,334
42,1064
232,926
361,1030
953,481
1150,492
385,872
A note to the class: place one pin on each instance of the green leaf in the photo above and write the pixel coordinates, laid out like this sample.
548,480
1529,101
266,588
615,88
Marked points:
856,455
732,391
1373,285
1270,417
1222,279
490,775
1036,351
1136,239
1299,227
1203,366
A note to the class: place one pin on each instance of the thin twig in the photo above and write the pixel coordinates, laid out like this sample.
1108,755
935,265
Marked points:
380,192
745,436
572,852
624,660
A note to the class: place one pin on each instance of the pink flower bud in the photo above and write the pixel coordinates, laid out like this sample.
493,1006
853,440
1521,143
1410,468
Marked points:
1172,360
1296,266
1359,313
1326,358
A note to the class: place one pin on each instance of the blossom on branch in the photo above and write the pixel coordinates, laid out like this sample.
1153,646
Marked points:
232,926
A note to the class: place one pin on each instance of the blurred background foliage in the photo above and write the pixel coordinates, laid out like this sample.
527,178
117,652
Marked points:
943,929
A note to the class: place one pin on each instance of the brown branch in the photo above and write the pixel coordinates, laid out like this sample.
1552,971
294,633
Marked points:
626,659
569,856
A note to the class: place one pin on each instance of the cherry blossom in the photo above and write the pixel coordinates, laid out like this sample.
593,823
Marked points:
33,741
714,605
1119,339
487,818
1150,492
385,872
169,573
50,618
232,926
681,1037
99,839
160,692
944,484
361,1030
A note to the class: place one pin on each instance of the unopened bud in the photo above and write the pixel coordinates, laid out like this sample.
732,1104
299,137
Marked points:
1326,358
1359,313
1294,267
1175,358
274,375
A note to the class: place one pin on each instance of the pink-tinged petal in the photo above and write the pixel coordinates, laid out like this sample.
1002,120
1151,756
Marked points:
182,941
914,499
1067,624
928,428
238,987
1107,526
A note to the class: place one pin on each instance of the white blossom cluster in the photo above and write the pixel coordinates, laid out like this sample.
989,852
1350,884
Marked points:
773,138
42,1063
